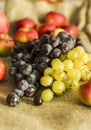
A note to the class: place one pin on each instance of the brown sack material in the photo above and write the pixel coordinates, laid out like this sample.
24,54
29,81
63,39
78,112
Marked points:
88,26
82,15
64,112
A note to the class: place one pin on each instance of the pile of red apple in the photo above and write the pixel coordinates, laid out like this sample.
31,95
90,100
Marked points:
27,30
6,41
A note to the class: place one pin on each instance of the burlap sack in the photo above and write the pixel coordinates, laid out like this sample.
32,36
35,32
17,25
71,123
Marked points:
65,112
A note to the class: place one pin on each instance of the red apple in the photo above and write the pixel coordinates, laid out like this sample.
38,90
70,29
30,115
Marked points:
6,44
26,34
55,18
85,93
2,70
71,30
25,23
45,28
4,23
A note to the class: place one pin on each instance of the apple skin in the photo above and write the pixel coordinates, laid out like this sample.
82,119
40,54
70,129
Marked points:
85,93
2,70
71,30
6,44
25,23
26,34
45,28
4,23
55,18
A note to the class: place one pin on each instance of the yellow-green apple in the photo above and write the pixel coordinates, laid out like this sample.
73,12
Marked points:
55,18
25,23
26,34
45,28
2,70
6,44
85,93
71,30
4,23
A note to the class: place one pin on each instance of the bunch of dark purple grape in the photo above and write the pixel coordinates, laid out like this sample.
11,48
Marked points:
30,60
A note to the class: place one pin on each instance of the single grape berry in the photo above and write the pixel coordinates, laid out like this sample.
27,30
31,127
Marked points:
19,92
63,36
44,59
12,99
23,84
45,49
38,100
18,77
30,91
54,40
44,38
26,69
55,53
31,78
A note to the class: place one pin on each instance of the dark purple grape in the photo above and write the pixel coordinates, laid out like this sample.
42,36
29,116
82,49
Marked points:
30,91
44,38
18,77
26,69
79,42
36,51
44,59
36,73
63,47
46,49
54,40
41,67
63,36
34,66
36,60
13,70
19,56
38,100
32,78
55,53
21,63
23,84
26,57
19,92
37,85
13,99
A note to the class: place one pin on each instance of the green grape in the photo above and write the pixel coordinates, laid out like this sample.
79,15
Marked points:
63,57
59,75
78,63
75,84
58,87
47,95
85,73
83,57
48,71
68,64
46,81
57,64
74,74
79,49
68,83
72,55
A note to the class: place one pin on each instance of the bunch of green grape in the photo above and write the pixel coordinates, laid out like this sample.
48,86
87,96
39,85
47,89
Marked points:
67,71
